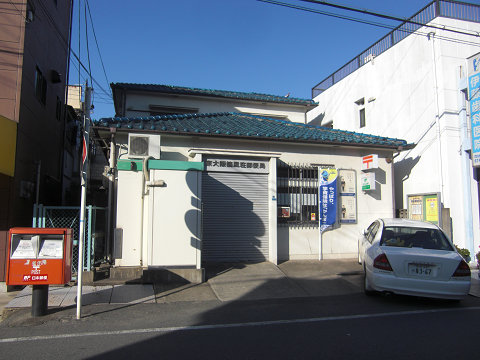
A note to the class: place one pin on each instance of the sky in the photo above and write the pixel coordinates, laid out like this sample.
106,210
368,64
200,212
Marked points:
236,45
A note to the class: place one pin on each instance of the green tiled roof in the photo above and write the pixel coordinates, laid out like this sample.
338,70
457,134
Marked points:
246,126
181,90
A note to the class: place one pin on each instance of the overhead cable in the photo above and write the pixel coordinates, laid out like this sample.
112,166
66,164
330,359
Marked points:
98,48
389,17
349,18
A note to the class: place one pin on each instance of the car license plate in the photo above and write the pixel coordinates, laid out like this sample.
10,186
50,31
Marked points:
421,270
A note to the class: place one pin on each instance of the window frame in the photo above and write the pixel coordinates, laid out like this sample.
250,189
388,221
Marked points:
372,231
40,86
297,188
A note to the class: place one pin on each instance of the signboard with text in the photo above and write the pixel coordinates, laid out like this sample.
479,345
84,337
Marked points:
347,196
327,193
474,98
368,181
237,165
425,207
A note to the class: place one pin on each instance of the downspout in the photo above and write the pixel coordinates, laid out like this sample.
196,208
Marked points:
466,165
65,102
392,162
145,181
437,114
37,185
111,179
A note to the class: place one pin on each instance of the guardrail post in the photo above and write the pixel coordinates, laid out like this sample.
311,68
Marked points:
437,8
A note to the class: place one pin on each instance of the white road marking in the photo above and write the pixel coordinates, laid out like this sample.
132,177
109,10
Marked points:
234,325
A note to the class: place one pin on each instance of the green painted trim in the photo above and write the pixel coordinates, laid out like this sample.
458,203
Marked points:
160,165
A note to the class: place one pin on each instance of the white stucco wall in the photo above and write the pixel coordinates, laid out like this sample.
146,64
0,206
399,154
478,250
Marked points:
129,215
174,219
410,92
171,230
137,102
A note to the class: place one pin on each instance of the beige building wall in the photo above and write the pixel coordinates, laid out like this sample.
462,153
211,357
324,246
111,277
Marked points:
285,242
139,105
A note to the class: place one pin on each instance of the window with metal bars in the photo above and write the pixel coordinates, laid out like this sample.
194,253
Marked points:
297,195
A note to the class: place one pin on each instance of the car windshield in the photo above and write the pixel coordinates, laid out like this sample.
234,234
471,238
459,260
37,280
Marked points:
408,237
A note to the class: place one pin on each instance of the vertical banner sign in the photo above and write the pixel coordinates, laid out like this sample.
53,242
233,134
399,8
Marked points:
327,193
474,98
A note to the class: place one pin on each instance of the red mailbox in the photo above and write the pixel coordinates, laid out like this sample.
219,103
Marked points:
39,256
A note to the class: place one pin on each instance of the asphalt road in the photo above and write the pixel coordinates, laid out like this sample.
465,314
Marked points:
333,327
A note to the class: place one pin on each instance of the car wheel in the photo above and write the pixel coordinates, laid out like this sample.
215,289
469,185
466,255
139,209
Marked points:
367,289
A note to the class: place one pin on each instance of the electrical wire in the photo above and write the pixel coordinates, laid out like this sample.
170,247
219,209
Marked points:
338,16
86,41
66,46
79,43
389,17
390,27
19,11
98,48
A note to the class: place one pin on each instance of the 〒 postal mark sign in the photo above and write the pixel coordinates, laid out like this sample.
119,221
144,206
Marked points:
370,162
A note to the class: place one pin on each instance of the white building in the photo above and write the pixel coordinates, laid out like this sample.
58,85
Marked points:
407,85
137,100
229,186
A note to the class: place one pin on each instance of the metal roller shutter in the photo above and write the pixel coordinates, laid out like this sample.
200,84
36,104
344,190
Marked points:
235,216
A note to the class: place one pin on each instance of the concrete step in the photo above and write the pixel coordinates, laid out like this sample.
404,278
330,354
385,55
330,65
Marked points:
139,275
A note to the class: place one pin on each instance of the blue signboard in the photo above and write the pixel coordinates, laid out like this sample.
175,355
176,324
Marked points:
474,98
327,193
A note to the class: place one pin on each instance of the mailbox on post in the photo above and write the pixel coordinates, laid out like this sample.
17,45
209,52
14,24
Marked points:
39,257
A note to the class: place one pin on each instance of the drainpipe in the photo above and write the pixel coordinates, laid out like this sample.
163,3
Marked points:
431,36
145,182
111,179
466,167
37,185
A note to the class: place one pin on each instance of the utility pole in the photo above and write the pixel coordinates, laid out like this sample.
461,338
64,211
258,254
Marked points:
84,173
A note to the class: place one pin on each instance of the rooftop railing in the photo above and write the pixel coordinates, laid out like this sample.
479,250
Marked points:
444,8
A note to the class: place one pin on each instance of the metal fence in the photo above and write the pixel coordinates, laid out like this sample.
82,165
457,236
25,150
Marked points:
443,8
69,217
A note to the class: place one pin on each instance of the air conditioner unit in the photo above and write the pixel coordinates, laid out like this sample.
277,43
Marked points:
141,146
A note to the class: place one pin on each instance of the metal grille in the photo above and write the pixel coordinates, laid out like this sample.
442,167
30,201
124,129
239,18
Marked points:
69,217
444,8
297,188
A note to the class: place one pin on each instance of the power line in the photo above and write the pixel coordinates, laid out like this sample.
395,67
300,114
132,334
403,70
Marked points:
79,40
66,45
88,50
385,26
19,11
338,16
98,48
81,65
389,17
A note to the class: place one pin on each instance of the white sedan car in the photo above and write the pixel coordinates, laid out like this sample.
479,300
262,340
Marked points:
412,258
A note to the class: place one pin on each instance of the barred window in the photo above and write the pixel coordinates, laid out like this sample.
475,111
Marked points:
297,195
